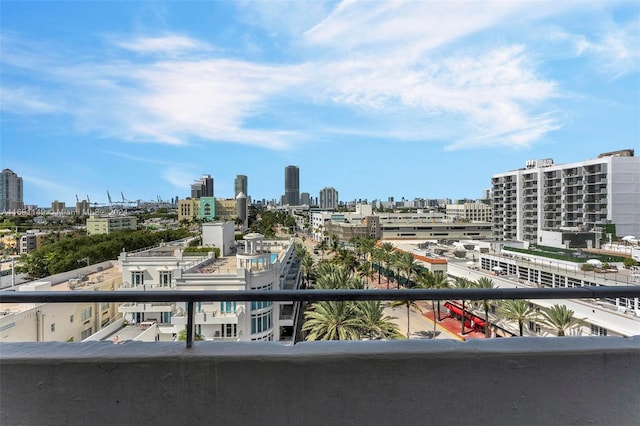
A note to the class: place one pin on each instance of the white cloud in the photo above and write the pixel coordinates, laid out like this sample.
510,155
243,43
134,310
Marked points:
614,51
179,177
25,100
168,44
410,62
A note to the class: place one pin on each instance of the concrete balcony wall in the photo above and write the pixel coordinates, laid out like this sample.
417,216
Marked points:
516,381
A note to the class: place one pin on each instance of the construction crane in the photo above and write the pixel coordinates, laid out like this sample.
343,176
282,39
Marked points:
109,197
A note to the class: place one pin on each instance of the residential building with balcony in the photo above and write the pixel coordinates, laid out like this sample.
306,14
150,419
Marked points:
581,196
256,265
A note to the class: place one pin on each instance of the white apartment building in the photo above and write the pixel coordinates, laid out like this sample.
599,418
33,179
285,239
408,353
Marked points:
106,225
257,265
579,196
60,322
472,212
328,198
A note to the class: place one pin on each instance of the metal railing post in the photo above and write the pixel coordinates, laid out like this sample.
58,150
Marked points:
190,313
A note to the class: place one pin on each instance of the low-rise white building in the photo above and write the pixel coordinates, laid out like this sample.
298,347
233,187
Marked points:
257,265
62,322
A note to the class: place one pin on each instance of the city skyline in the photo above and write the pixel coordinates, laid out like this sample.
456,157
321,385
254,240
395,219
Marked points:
410,99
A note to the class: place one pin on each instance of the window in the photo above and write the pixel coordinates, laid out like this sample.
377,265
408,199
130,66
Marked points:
534,327
86,333
53,328
228,307
165,278
260,305
598,331
137,278
261,322
71,318
86,314
104,306
230,330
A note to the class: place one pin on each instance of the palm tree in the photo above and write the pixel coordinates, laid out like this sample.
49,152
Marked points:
462,283
299,250
307,265
409,304
335,242
345,258
485,283
387,251
365,269
332,321
374,324
517,310
377,257
560,319
407,263
435,280
367,246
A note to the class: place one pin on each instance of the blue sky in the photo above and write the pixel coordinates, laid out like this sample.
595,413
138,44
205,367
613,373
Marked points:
405,99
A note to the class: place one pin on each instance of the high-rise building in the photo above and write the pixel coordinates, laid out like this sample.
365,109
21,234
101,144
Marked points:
57,206
328,198
292,185
305,199
203,187
240,185
10,191
580,196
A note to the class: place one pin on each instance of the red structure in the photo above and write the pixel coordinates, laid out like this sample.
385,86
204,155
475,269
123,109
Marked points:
470,320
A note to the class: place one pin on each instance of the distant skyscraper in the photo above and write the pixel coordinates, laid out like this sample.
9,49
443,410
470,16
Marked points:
241,185
292,186
10,191
328,198
203,187
305,199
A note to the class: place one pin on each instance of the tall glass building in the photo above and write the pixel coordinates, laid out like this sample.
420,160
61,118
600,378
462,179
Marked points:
292,185
10,191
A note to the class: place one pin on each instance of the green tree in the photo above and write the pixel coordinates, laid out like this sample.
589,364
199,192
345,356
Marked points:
560,319
331,320
182,335
387,252
406,263
307,265
485,283
516,310
462,283
409,304
373,323
433,280
345,258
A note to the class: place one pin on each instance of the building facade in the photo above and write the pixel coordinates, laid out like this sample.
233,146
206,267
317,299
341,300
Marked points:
328,198
58,206
292,185
240,185
106,225
11,196
189,210
581,196
257,265
472,212
203,187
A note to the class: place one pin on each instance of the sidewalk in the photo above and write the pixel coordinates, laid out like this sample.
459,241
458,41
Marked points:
421,324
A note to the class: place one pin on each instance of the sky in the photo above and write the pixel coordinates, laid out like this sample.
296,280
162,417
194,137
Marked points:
374,98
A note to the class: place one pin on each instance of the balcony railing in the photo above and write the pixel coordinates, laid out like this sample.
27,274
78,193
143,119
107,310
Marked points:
192,297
